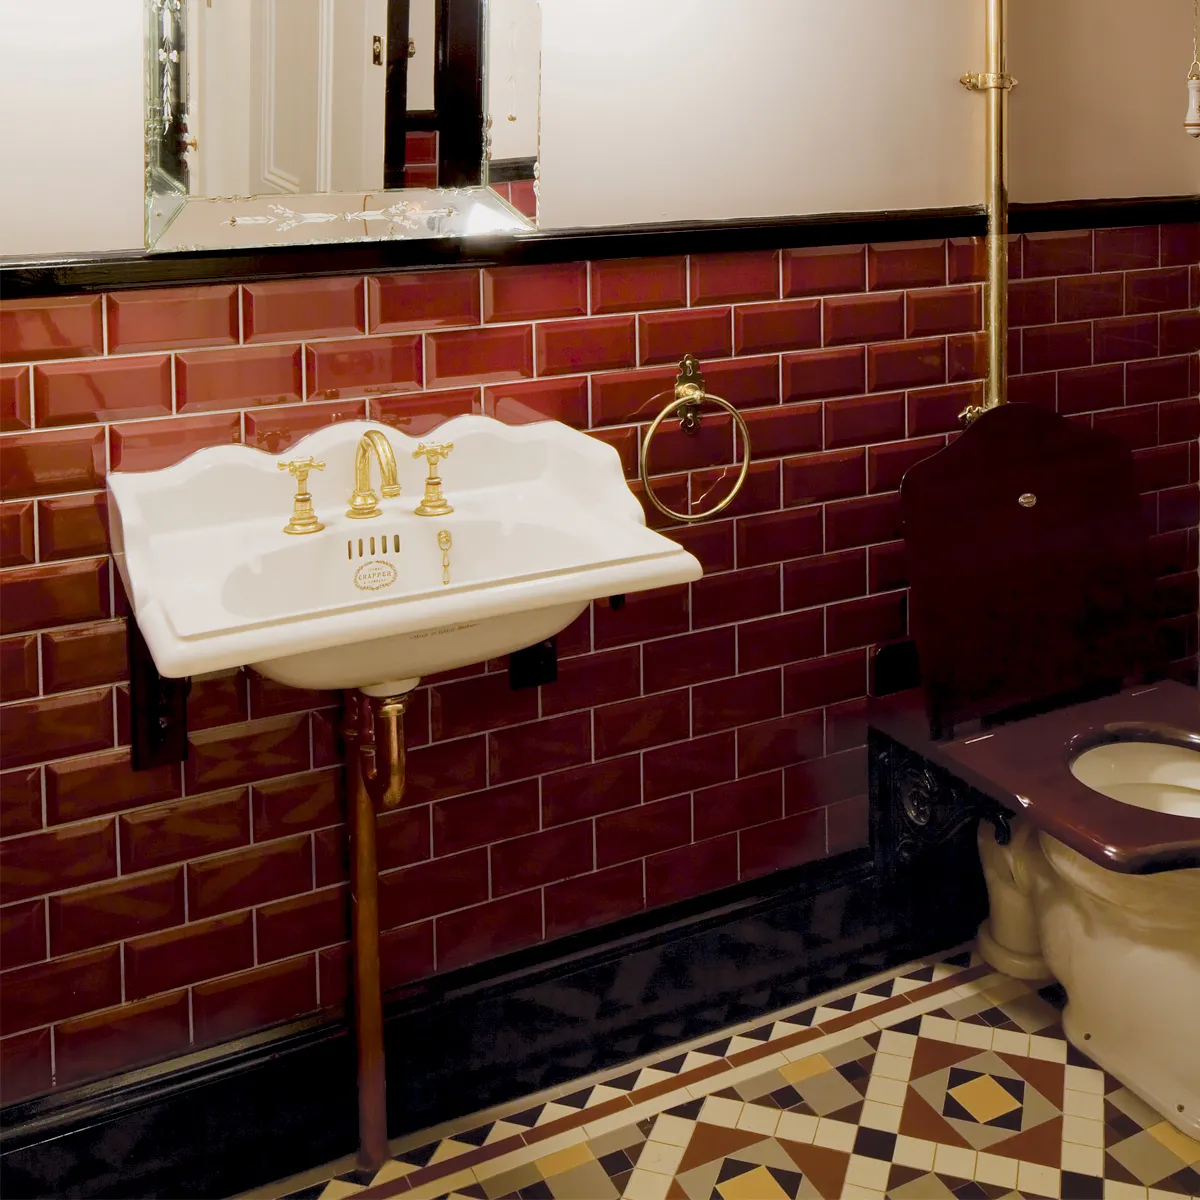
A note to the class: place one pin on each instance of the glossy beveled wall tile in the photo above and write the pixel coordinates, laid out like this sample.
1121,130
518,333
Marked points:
423,300
83,656
61,460
824,270
102,390
567,347
172,318
91,1046
479,355
71,526
534,293
20,801
68,327
210,379
291,308
17,533
150,445
18,667
696,737
110,912
740,276
391,364
630,284
15,403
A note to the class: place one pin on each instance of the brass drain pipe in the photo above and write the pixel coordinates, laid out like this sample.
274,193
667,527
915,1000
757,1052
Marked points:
996,83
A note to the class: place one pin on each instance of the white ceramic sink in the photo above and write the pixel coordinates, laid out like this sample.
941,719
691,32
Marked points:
1152,775
543,523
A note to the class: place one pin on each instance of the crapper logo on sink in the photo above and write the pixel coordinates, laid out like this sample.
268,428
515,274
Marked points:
374,575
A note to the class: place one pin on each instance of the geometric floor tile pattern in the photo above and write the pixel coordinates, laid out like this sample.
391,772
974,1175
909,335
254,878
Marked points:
940,1079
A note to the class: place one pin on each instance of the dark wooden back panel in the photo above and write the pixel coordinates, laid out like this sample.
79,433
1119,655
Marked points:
1015,603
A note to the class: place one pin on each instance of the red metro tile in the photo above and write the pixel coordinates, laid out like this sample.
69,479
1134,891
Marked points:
863,622
102,1043
738,701
22,933
864,419
172,318
944,310
644,829
250,876
738,805
906,364
906,264
636,724
429,888
535,292
72,526
822,270
241,753
788,429
1180,332
278,429
34,330
288,927
16,534
1060,253
773,537
110,912
53,859
25,1065
488,355
84,656
20,801
862,520
1032,302
1085,389
100,783
785,843
65,987
780,639
1123,249
786,325
236,378
54,594
224,1008
480,818
726,278
1155,379
520,863
15,403
149,445
291,308
821,681
824,781
159,962
18,668
691,870
563,400
364,366
886,465
591,900
668,336
102,390
184,829
488,930
56,726
936,410
423,299
779,742
811,478
1120,338
547,745
421,412
872,318
1081,297
1180,243
589,790
818,374
626,285
684,766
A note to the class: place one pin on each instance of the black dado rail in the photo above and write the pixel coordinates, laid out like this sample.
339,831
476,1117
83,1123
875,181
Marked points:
136,269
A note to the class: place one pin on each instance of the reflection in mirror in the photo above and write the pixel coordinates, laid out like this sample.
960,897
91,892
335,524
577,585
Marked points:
285,121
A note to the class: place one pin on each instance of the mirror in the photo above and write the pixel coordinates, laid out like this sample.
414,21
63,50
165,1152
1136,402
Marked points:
291,121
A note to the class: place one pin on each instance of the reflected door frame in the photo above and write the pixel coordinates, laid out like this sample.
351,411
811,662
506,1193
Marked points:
457,116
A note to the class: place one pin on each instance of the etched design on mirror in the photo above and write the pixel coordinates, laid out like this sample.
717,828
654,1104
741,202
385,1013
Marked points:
401,213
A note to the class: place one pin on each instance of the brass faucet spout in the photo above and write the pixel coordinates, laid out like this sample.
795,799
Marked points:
363,500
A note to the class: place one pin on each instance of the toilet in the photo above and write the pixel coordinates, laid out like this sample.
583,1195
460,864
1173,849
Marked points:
1044,708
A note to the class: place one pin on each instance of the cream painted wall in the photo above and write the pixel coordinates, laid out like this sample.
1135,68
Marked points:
1098,110
706,109
71,143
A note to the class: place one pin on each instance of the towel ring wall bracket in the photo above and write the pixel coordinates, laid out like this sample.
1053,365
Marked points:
686,407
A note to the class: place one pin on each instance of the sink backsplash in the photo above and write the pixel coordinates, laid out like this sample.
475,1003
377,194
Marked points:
701,735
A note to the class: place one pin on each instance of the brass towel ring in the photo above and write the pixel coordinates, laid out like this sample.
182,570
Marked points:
689,396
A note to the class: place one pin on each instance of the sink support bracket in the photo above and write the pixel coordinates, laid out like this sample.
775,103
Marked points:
157,707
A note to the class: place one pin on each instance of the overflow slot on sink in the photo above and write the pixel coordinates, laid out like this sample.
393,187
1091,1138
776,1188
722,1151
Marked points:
366,546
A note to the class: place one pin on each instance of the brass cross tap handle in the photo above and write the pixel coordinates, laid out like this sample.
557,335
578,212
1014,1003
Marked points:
304,519
433,503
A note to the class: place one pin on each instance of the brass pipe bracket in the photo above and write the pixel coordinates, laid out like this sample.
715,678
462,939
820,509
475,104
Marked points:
983,81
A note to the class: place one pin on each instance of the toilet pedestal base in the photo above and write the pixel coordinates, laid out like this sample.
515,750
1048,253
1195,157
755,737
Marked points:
1124,947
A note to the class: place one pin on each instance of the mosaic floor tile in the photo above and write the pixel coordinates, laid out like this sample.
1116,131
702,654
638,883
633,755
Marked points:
941,1079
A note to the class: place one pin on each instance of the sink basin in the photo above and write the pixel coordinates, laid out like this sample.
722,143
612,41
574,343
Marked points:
543,523
1153,775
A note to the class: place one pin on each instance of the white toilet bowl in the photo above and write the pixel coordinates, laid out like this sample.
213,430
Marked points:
1126,948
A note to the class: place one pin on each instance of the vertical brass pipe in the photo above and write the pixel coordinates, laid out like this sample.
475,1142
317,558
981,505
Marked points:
997,201
364,904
